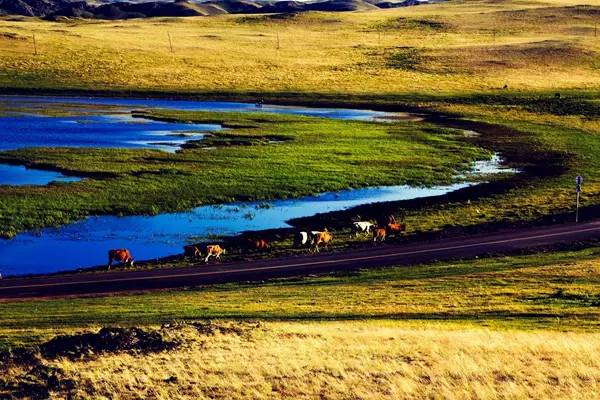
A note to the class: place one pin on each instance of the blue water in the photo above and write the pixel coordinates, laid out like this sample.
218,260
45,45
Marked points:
107,130
41,102
18,175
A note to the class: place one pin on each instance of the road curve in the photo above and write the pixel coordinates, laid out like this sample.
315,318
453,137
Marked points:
377,256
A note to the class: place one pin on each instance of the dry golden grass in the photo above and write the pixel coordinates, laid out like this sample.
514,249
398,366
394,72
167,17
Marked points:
466,46
352,360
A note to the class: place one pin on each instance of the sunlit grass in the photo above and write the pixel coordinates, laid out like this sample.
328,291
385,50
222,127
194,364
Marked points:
339,360
464,46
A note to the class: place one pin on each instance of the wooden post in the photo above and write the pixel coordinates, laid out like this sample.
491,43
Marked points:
170,42
278,40
34,46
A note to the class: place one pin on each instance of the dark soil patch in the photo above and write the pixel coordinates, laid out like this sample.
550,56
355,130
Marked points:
406,58
107,340
402,23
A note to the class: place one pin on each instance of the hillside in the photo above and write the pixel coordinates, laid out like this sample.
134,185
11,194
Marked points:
53,9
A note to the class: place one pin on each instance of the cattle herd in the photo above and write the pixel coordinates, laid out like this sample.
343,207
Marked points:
302,239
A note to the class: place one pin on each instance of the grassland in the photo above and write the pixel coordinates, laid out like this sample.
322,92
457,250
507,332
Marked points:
510,327
514,326
454,47
554,291
379,360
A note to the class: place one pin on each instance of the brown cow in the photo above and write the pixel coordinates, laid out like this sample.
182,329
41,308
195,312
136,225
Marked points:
379,234
120,255
324,238
395,229
258,244
192,250
215,251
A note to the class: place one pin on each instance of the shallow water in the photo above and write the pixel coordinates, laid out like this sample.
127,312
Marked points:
104,131
108,104
18,175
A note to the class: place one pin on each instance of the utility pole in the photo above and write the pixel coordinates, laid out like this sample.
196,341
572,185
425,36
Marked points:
34,46
170,42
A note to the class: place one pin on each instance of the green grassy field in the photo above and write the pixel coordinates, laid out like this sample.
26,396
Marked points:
455,56
550,139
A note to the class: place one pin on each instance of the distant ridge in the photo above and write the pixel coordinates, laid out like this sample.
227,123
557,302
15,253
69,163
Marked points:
54,9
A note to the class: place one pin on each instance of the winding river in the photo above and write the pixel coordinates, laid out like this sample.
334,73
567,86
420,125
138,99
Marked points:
106,122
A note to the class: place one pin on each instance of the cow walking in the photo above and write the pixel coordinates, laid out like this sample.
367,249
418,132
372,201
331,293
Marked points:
361,227
321,238
214,250
303,239
379,234
258,244
395,229
119,255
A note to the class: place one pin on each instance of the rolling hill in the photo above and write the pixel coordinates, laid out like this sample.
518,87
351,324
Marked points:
53,9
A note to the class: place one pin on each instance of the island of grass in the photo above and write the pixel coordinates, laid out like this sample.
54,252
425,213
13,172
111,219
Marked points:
261,156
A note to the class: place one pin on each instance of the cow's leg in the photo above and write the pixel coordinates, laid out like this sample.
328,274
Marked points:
207,257
110,260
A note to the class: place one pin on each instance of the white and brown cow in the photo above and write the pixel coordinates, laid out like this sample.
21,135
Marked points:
362,227
214,250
